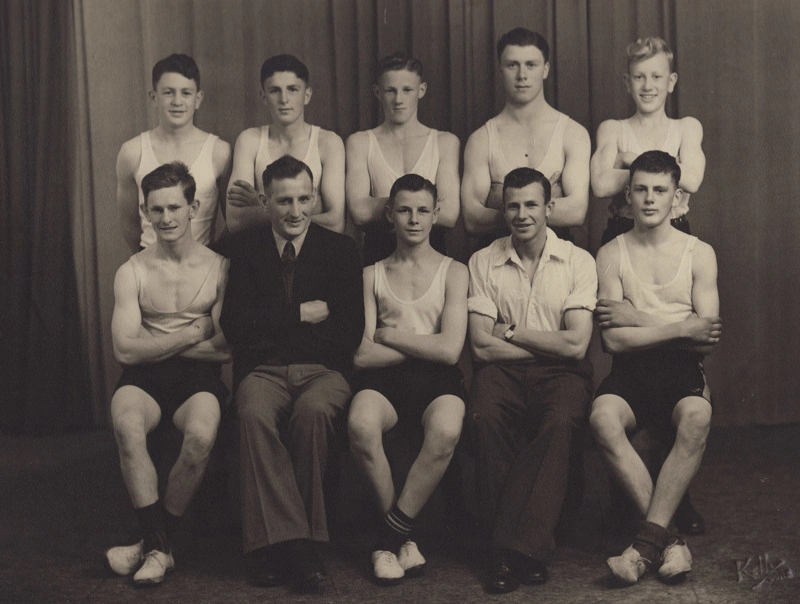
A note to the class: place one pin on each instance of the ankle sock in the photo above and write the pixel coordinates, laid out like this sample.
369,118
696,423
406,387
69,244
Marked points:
650,541
395,530
151,519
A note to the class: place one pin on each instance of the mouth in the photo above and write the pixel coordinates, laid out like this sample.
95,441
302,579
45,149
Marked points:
647,97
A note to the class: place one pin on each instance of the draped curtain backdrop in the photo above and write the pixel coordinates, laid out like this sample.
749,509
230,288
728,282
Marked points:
738,74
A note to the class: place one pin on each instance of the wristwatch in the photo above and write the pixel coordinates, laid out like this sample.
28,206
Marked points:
509,333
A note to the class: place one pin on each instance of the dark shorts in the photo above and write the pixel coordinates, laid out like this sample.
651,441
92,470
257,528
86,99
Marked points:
172,381
617,225
652,383
412,386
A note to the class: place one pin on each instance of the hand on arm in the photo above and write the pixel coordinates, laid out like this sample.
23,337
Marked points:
243,208
363,209
132,348
573,202
128,194
691,158
370,354
215,348
448,183
608,176
476,186
445,346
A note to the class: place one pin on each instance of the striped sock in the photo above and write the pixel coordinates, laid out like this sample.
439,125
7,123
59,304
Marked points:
395,530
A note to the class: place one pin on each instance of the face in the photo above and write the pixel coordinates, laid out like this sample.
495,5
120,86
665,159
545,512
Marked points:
649,82
170,213
286,96
399,92
526,212
176,98
413,214
290,203
524,71
652,196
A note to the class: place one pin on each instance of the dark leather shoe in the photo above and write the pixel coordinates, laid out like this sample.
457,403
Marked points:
687,519
503,577
264,569
534,572
307,572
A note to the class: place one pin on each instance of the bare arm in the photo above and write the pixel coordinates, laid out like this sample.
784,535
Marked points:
330,191
705,296
448,183
363,209
221,160
487,347
243,210
370,354
131,346
608,177
128,193
691,158
570,210
569,343
445,346
216,347
475,187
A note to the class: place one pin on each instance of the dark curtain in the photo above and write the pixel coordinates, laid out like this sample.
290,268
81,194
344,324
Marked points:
43,385
738,74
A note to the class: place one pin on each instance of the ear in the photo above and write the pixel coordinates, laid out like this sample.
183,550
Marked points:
548,207
152,96
423,88
677,198
263,201
628,194
198,99
673,79
546,70
387,212
194,208
435,217
308,94
627,79
143,208
376,90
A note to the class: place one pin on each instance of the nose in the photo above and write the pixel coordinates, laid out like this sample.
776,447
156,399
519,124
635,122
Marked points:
284,97
414,218
295,211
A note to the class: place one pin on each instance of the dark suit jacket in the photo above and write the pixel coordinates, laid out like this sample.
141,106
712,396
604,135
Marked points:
259,325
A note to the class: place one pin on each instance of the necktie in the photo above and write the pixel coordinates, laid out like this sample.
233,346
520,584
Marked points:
287,266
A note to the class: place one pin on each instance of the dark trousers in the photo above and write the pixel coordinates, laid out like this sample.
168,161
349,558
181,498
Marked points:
526,420
286,418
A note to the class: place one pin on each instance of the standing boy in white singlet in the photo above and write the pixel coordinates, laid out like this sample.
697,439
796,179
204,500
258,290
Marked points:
286,91
658,312
650,80
415,306
400,145
166,334
176,95
528,132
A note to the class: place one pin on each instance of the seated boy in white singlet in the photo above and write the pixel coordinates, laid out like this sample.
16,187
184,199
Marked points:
285,90
176,95
400,145
415,307
166,335
658,338
650,80
528,132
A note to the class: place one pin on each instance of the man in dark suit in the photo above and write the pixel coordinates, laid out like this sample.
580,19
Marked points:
293,315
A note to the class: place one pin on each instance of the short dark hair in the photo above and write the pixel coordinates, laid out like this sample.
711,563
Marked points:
657,162
167,176
413,183
283,168
397,61
522,177
523,37
177,63
284,63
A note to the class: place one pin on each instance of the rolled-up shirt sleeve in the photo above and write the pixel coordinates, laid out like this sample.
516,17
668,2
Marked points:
584,282
480,301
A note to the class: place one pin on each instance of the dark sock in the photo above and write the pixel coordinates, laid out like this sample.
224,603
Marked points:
151,519
650,541
395,530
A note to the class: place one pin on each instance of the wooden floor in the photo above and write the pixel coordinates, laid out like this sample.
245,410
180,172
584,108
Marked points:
62,503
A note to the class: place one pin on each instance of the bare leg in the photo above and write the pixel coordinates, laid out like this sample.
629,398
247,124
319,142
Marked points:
198,420
610,419
442,421
692,418
134,414
371,414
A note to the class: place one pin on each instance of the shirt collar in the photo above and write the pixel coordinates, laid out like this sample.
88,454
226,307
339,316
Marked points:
297,242
554,249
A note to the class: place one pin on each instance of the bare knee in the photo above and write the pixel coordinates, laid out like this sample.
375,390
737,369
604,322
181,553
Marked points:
443,429
606,425
694,422
198,442
364,433
129,432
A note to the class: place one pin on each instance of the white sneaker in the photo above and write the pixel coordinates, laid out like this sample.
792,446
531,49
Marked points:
125,559
629,567
676,561
410,560
386,568
155,566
